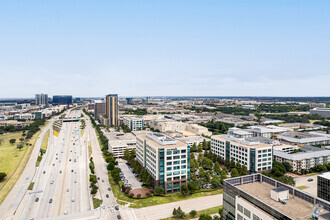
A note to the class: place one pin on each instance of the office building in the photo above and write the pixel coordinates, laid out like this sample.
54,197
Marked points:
41,99
119,142
308,157
99,110
304,138
323,186
111,109
62,99
320,111
134,123
255,155
259,197
167,160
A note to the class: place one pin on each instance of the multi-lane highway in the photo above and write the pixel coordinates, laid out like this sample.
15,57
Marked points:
61,186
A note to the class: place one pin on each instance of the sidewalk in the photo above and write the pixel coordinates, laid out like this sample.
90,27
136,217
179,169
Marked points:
165,210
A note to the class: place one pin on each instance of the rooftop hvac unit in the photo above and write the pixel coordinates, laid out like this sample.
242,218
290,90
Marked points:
280,194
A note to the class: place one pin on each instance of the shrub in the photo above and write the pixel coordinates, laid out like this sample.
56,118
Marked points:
193,213
131,194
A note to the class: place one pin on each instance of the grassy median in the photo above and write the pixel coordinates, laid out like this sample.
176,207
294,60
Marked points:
13,160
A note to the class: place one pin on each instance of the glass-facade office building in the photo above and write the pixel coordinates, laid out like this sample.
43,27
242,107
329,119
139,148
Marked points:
62,99
323,186
167,160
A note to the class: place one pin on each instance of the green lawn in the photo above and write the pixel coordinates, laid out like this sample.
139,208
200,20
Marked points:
312,174
13,161
301,187
45,141
209,211
31,186
96,203
156,200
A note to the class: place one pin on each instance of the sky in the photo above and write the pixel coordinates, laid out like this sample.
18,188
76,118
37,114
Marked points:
164,48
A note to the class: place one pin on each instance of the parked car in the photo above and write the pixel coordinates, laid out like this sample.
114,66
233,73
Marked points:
37,199
310,180
51,200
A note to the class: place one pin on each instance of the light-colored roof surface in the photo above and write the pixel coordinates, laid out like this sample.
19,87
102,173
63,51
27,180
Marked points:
295,208
153,143
302,155
240,142
325,175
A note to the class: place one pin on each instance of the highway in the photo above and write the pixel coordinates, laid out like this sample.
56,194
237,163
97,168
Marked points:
61,182
101,172
11,203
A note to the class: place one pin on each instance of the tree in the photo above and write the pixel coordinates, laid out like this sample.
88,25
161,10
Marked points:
207,163
287,166
215,181
204,217
200,148
244,170
200,158
223,174
217,168
20,146
2,176
126,154
12,141
193,213
192,186
193,148
159,190
184,190
133,153
21,139
174,212
179,213
234,173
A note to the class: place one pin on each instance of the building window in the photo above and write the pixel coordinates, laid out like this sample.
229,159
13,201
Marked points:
169,179
169,152
169,163
169,174
255,217
169,158
176,157
240,208
247,213
183,161
183,151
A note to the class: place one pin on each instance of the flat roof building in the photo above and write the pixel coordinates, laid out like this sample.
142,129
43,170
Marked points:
134,123
308,157
111,109
320,111
167,160
260,197
62,99
304,138
255,155
323,186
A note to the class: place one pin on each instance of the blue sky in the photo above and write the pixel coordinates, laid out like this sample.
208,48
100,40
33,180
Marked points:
152,48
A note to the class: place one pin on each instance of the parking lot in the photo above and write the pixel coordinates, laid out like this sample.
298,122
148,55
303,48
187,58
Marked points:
128,177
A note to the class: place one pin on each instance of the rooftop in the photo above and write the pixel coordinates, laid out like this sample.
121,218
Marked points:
161,141
241,142
295,208
308,152
325,175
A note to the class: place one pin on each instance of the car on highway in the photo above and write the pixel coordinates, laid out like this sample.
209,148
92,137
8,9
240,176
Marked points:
72,200
53,164
51,182
51,200
117,207
98,178
102,181
118,216
310,180
72,171
65,212
112,210
37,199
109,189
44,172
60,171
67,190
107,195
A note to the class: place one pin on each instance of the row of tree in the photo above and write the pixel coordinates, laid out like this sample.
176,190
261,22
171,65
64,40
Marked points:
180,214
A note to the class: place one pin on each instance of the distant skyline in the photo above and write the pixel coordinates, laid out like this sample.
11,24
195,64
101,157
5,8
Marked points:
164,48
